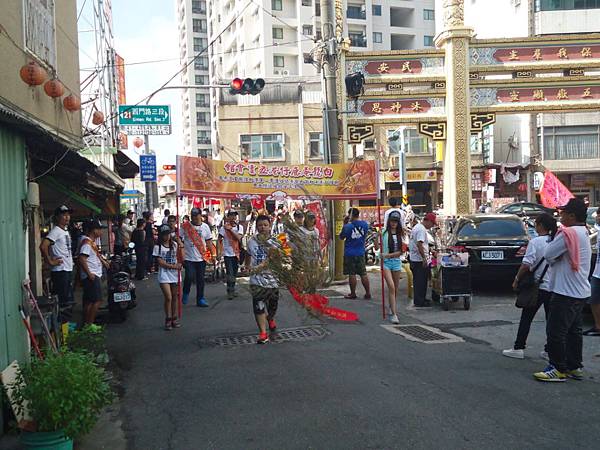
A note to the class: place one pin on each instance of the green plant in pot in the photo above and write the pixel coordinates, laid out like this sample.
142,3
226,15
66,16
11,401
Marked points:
92,339
64,395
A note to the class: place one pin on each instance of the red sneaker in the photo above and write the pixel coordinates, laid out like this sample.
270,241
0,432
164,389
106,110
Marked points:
272,325
263,338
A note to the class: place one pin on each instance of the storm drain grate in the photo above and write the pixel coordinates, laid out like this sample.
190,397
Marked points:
423,334
285,335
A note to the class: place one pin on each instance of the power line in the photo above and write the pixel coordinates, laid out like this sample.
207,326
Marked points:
155,61
200,53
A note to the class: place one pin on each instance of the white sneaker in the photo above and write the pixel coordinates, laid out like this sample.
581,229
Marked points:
544,355
394,319
512,353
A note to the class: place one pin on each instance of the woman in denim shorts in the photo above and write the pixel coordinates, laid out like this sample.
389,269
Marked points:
392,263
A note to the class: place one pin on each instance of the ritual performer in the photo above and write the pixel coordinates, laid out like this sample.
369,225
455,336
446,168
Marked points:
263,285
392,239
166,256
230,238
198,247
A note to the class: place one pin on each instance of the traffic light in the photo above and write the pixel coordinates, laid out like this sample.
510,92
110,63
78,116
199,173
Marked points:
169,167
247,86
354,84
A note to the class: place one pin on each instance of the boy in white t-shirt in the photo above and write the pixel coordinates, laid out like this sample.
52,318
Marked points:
91,263
230,238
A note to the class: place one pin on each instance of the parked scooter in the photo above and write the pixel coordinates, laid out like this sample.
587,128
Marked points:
121,289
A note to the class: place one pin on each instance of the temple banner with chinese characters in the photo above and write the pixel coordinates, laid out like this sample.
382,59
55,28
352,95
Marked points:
408,64
211,178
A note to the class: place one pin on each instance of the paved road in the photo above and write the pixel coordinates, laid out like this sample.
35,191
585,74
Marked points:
359,387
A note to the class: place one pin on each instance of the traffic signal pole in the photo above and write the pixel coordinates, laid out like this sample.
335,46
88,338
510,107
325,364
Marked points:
331,130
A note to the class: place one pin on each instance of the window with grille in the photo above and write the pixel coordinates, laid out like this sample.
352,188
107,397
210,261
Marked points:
202,100
40,34
262,146
307,30
428,41
428,14
278,61
376,10
277,33
202,118
357,40
572,142
277,5
315,143
377,37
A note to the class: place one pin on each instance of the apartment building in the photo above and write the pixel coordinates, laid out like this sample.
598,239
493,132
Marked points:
193,39
569,143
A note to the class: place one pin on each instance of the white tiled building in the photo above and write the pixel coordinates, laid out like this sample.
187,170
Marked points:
193,38
568,143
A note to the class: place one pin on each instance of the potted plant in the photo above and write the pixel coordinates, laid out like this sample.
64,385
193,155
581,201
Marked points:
89,339
63,394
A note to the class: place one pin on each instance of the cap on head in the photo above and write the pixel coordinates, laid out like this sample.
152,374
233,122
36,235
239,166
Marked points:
298,213
431,217
310,215
394,215
63,209
93,224
577,207
195,212
164,229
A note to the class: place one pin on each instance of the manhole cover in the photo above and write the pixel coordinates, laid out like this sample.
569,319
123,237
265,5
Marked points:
423,333
284,335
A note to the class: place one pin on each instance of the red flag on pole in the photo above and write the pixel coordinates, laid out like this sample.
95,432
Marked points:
553,193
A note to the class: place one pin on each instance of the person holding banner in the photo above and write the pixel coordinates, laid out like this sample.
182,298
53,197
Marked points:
197,244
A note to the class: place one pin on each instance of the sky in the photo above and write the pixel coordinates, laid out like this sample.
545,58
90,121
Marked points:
144,30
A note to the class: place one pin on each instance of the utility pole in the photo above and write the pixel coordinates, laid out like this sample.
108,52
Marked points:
331,131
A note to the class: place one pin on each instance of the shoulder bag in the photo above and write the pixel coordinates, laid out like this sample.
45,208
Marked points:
528,287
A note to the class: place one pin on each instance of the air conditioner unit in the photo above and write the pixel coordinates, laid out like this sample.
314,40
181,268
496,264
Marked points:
285,72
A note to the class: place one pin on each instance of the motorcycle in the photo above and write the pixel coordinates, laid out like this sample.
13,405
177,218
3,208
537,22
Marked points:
371,241
121,289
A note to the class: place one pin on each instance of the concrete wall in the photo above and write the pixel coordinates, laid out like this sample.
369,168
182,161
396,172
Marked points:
236,120
567,21
34,101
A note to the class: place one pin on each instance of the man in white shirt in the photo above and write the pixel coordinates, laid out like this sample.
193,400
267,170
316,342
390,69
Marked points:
56,250
418,248
230,239
569,256
595,298
394,208
197,238
91,263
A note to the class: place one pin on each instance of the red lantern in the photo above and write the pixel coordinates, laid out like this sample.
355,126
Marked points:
33,74
54,88
138,142
98,118
71,103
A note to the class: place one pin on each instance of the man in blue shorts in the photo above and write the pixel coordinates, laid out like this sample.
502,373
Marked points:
354,233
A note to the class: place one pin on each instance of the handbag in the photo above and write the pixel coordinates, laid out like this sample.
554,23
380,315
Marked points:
528,287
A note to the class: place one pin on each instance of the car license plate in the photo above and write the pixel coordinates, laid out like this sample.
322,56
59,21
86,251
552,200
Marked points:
122,297
492,255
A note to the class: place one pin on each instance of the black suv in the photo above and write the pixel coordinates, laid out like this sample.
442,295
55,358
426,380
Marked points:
496,243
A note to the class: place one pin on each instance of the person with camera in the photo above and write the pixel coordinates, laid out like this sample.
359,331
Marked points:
536,268
354,233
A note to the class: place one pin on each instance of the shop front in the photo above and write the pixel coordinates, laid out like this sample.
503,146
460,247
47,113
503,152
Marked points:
422,188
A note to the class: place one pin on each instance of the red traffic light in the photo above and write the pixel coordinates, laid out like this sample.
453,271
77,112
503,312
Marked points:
247,86
169,167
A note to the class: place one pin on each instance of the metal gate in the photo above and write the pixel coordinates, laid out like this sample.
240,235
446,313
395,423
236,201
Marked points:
13,182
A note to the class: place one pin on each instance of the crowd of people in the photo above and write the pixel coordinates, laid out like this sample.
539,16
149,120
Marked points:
557,263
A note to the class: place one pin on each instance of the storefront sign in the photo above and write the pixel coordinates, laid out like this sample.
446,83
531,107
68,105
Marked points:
411,176
205,177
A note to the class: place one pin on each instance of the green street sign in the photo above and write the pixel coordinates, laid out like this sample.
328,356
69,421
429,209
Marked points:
144,115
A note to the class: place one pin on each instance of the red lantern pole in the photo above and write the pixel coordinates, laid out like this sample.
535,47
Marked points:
381,256
179,300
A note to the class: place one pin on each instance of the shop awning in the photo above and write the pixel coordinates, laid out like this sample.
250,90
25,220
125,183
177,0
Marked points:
58,186
125,166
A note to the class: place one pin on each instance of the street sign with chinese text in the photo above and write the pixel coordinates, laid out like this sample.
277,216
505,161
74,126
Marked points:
146,129
148,168
145,119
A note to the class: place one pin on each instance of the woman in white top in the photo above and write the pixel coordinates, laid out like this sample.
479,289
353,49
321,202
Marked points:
168,274
546,228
